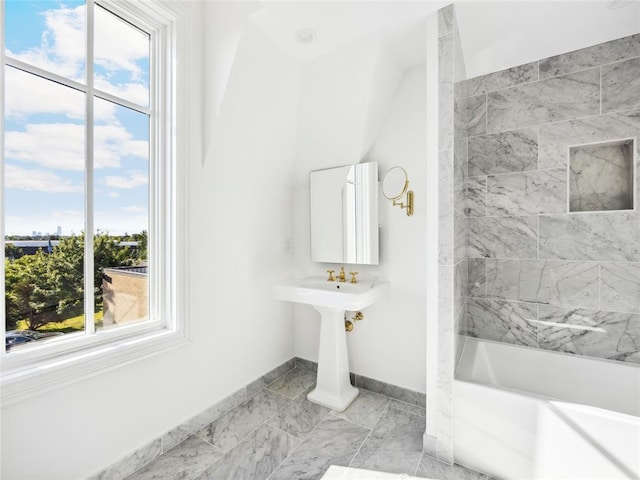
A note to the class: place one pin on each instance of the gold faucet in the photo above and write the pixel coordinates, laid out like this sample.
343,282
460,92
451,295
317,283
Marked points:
331,277
342,276
353,277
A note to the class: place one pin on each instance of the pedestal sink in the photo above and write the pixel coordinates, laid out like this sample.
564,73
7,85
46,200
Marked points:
333,388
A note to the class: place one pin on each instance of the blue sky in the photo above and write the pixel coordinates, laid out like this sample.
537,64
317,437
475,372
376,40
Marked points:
45,121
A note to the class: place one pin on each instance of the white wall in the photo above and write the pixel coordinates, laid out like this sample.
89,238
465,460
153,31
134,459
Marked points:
345,96
240,211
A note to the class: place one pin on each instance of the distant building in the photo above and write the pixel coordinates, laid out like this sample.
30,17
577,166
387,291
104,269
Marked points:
59,230
125,295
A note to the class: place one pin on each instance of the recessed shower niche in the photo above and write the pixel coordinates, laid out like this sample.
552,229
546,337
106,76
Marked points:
601,176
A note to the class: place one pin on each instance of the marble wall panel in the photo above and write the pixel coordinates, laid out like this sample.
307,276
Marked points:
445,93
477,277
555,139
498,80
548,282
621,86
601,177
504,152
476,202
620,287
471,115
585,58
503,321
445,21
445,208
527,193
552,100
502,237
615,336
611,236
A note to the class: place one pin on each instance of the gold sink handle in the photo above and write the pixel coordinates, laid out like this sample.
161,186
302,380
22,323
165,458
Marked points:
331,277
353,277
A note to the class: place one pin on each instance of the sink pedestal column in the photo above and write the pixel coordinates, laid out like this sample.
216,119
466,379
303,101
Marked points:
333,388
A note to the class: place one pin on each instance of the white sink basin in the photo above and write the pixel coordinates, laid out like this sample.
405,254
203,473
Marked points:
319,292
331,299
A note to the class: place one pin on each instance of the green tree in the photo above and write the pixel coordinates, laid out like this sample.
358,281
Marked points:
12,252
43,288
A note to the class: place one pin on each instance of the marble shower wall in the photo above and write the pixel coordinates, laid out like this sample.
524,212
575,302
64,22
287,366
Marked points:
452,226
538,275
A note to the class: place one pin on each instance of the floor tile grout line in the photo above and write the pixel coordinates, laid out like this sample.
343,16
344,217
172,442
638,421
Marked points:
298,445
415,473
385,409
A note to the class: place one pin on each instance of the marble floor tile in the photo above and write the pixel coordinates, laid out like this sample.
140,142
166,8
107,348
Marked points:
131,463
255,457
186,461
294,382
228,430
394,445
365,410
334,442
300,416
393,391
431,468
407,407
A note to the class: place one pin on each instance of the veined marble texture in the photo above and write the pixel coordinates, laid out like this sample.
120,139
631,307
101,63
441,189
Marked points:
445,93
460,233
527,193
399,393
460,175
503,321
225,432
255,457
185,461
445,20
620,287
300,416
502,237
477,277
365,410
602,334
334,442
551,100
504,152
550,282
498,80
476,205
394,444
611,236
601,54
557,138
432,468
129,464
471,115
621,86
294,382
445,208
601,177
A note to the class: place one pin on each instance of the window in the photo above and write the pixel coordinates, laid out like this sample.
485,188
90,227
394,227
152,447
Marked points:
90,183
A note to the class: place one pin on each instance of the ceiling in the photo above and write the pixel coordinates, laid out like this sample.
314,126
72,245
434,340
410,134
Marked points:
494,34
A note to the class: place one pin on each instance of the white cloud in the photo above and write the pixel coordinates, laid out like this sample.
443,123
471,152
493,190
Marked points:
40,180
134,209
135,179
119,50
61,145
114,195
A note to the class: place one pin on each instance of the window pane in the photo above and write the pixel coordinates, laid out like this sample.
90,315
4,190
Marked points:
121,58
44,208
121,204
48,34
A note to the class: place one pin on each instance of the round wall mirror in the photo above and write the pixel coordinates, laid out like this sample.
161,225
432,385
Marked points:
395,183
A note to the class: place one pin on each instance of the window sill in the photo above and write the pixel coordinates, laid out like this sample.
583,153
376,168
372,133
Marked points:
22,383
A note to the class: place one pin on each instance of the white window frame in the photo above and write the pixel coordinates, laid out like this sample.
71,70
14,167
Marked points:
31,371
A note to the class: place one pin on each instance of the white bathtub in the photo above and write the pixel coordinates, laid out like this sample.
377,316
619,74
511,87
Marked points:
523,413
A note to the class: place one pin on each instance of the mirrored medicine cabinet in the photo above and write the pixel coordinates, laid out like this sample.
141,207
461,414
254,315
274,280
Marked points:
344,214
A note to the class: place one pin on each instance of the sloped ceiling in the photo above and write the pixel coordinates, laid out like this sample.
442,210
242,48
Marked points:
495,34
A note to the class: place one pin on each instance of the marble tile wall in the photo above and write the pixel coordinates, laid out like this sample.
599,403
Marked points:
457,119
538,274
